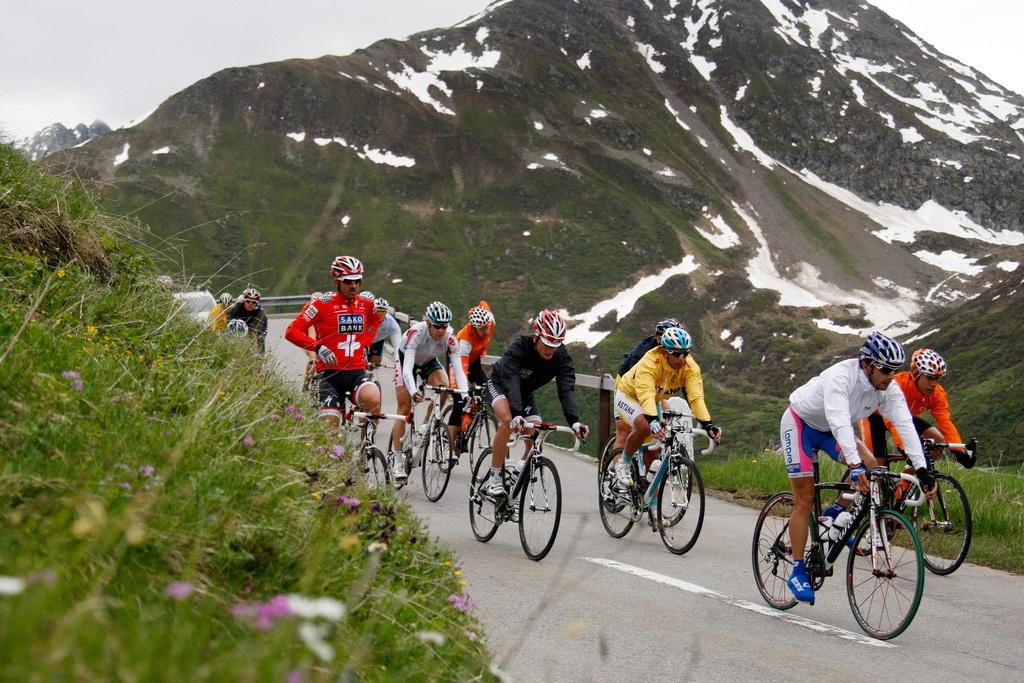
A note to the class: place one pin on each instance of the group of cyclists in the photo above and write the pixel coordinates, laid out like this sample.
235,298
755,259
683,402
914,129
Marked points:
241,317
345,330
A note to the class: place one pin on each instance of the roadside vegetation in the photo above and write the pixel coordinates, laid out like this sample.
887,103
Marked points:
996,496
169,510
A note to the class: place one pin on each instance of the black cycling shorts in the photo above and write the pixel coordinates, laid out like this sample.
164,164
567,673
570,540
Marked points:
338,385
421,372
494,391
375,349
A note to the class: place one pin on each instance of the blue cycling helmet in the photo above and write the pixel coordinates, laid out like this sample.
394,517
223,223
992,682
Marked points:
883,350
665,324
675,339
438,313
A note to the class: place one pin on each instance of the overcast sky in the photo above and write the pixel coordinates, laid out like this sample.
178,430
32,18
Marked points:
115,60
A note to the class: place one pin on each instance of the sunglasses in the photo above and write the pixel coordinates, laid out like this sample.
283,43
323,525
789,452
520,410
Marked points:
352,282
932,378
442,326
679,354
885,370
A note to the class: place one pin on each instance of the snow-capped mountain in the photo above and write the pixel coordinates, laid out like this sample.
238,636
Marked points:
770,171
57,137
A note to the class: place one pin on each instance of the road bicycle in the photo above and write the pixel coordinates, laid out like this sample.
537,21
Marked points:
430,441
480,432
673,500
885,566
945,523
371,460
533,496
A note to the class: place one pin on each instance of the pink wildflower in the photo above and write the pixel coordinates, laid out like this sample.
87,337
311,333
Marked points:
291,410
471,635
275,417
75,379
179,590
294,676
248,441
463,603
352,503
337,453
147,470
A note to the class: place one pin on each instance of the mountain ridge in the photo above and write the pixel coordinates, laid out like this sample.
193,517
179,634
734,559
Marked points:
547,153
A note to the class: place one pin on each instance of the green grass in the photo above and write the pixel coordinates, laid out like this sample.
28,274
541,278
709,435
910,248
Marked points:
141,451
996,496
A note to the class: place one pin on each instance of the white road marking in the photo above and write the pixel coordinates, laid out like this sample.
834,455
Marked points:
765,610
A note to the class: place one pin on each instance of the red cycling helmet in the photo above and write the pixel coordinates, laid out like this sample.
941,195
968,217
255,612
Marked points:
347,268
251,294
550,327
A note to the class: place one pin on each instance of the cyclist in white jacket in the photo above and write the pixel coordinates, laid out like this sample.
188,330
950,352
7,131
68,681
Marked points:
821,415
419,352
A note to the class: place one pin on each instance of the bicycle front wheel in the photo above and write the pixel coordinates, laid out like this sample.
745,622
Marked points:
680,505
482,431
772,551
483,516
944,525
436,465
540,508
375,468
613,501
885,576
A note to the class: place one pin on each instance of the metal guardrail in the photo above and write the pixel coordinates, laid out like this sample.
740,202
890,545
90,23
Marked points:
605,384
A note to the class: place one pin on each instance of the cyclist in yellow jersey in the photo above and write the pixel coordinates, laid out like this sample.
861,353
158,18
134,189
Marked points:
219,314
662,371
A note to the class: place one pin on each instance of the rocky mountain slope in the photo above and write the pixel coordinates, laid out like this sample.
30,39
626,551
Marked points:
778,174
57,137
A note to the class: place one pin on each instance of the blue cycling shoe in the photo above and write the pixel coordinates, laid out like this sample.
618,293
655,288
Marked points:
800,586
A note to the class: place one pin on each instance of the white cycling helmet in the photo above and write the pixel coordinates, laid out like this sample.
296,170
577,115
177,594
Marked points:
226,299
480,317
237,328
438,314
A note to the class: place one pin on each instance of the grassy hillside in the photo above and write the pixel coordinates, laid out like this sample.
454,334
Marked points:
168,512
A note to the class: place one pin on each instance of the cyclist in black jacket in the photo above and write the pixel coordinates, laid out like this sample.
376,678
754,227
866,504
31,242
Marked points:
249,311
633,357
530,362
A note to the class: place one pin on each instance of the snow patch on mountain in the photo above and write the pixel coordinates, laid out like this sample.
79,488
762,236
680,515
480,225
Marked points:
622,303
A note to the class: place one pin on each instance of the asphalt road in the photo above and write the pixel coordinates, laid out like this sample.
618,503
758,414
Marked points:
601,609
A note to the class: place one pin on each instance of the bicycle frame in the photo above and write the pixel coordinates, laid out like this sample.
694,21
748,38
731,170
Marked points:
536,449
670,444
831,549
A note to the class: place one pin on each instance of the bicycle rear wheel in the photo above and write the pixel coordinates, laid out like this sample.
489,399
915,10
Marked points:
680,504
483,517
613,502
540,508
375,468
436,466
884,584
771,552
944,525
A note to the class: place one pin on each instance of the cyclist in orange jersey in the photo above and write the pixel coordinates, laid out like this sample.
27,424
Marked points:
922,389
474,339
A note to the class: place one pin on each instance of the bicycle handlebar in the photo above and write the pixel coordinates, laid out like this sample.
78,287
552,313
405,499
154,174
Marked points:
379,416
547,427
919,497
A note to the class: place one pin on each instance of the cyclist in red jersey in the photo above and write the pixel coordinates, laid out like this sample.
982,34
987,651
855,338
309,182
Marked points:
345,325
